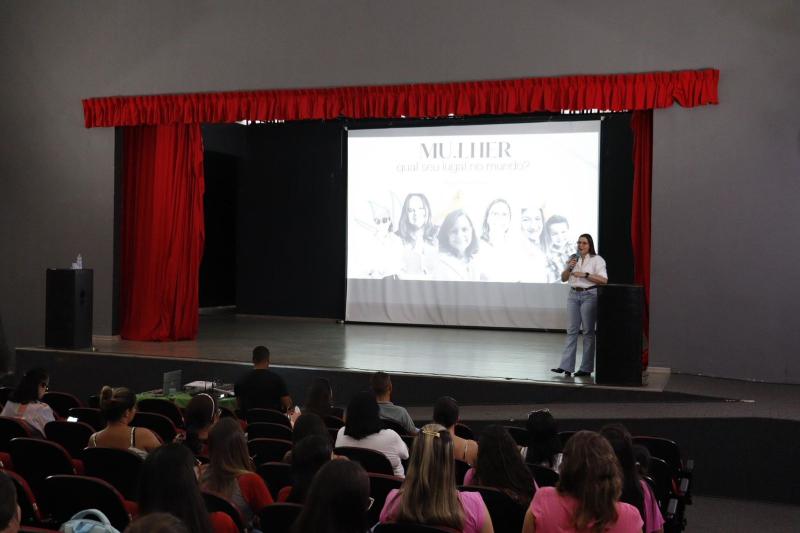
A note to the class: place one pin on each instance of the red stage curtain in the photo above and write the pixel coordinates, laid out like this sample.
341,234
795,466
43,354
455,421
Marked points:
615,92
162,232
642,126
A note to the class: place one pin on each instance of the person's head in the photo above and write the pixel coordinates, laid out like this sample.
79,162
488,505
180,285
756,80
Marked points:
643,458
307,425
337,501
500,465
416,216
429,495
586,244
590,473
308,456
381,384
319,396
557,231
363,416
31,387
167,483
382,219
9,510
457,235
157,523
622,444
228,456
200,414
543,440
445,412
261,357
117,404
497,218
532,223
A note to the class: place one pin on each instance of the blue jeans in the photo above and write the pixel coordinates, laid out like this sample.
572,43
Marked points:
581,309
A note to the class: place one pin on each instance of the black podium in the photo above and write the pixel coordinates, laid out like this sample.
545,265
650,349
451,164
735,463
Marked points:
620,311
68,313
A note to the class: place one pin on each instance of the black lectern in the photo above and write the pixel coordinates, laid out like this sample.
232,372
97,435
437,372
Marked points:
620,310
68,314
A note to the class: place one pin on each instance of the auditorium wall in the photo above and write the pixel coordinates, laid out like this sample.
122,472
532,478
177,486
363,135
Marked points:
725,178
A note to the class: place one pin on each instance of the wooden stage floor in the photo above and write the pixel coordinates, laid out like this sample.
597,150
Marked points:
521,356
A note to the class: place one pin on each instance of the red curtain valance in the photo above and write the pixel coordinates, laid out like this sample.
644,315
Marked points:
614,92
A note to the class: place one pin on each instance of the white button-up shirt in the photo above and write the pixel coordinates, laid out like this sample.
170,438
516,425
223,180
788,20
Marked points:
593,264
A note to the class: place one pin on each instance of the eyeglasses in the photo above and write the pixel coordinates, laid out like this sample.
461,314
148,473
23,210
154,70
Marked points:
384,220
370,502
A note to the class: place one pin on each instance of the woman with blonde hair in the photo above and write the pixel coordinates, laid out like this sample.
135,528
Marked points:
587,496
118,406
429,495
230,471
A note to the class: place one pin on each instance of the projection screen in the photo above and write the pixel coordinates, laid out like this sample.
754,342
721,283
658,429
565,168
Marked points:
468,225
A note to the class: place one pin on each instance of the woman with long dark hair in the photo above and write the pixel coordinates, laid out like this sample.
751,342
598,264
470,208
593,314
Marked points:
231,472
500,466
320,397
337,501
308,456
363,429
544,444
167,484
587,496
429,495
584,271
200,416
635,490
25,402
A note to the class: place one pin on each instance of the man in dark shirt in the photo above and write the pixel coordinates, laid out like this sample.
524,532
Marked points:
261,387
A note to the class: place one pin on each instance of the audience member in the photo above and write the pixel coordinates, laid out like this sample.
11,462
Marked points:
363,429
119,407
445,412
167,484
381,385
635,490
337,501
308,456
319,399
429,495
500,466
261,387
307,424
587,496
200,415
157,523
25,402
10,514
231,472
544,444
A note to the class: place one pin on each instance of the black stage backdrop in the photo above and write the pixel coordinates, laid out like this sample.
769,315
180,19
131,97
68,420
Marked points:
292,211
291,221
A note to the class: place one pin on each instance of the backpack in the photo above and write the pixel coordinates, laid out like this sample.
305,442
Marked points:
81,524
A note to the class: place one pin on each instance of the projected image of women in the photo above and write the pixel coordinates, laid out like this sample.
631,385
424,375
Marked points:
499,253
458,249
533,259
418,235
559,246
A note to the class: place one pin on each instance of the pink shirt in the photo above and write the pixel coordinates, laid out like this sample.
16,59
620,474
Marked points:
554,511
654,521
472,503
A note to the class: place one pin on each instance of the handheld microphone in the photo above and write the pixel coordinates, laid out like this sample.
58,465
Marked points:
575,257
